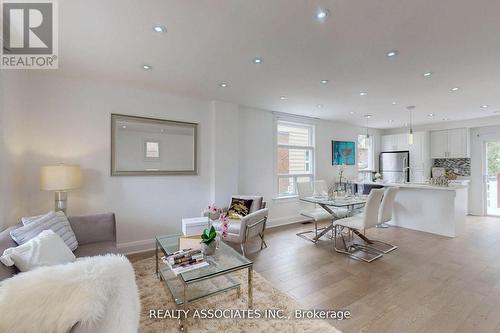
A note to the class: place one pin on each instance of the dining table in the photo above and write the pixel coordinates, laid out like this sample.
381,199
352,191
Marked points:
331,204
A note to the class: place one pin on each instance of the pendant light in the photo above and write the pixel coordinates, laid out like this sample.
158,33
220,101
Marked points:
410,134
367,116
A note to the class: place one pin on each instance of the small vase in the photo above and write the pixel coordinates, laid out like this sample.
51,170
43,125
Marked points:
208,249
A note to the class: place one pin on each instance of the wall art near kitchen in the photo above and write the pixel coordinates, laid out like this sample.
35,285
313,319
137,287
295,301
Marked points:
343,153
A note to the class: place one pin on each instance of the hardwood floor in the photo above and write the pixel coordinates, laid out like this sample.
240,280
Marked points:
429,284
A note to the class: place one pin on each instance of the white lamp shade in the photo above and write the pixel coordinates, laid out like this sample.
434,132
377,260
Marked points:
60,177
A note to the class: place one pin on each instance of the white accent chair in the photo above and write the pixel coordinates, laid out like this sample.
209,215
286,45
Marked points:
358,223
248,227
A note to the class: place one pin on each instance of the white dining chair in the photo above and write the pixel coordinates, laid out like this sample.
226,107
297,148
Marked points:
387,206
313,212
358,223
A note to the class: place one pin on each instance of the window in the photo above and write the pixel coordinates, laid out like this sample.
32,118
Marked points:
152,150
365,152
295,156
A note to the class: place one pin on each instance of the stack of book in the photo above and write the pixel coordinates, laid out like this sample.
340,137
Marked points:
185,260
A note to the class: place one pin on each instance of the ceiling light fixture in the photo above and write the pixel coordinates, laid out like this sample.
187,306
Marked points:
146,67
322,14
454,89
431,114
410,133
223,85
363,93
324,81
393,53
485,106
351,112
159,28
124,126
257,61
427,74
282,98
394,103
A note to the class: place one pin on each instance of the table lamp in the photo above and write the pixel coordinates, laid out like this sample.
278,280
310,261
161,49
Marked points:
60,178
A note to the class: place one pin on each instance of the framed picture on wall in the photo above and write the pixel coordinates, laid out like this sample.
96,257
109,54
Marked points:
343,153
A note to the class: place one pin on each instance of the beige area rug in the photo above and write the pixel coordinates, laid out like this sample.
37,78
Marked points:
154,295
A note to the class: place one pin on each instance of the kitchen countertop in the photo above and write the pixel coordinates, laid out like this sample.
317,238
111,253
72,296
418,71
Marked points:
422,186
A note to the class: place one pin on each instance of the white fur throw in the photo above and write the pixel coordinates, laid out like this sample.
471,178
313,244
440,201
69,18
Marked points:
94,294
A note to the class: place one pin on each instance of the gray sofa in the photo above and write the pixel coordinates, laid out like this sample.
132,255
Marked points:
96,234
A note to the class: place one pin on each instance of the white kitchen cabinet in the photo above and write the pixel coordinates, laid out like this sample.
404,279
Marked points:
453,143
394,142
457,143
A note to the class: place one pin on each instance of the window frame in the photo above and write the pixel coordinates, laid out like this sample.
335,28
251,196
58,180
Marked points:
371,157
277,145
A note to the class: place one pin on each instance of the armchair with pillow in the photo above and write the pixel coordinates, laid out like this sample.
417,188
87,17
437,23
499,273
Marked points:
248,217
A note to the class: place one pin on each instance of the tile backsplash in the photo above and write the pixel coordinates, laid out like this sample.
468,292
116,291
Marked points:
459,166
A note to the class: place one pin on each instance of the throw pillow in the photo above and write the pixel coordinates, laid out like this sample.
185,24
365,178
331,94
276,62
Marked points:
29,219
239,208
44,250
57,222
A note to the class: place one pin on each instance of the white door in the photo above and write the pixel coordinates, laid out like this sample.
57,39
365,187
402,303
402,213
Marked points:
457,143
439,144
492,177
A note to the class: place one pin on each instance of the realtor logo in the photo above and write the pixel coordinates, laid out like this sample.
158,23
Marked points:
29,34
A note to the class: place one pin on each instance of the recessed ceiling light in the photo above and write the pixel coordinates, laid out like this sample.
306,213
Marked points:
392,53
455,89
322,14
223,85
431,114
319,106
146,67
351,112
427,74
159,28
394,103
257,61
484,106
368,116
363,93
324,81
124,126
283,98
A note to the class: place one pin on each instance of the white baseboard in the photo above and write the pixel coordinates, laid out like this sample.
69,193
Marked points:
136,246
272,223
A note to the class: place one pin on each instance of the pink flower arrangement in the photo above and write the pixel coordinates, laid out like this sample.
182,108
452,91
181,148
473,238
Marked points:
225,224
213,209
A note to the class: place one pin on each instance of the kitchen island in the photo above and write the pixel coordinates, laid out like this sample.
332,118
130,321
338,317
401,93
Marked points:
439,210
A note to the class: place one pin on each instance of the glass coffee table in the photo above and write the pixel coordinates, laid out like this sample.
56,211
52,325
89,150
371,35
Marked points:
210,280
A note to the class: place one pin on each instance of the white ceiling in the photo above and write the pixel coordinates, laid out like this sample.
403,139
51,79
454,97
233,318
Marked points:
213,41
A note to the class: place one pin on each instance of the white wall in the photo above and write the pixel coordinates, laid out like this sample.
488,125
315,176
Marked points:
257,158
68,120
13,146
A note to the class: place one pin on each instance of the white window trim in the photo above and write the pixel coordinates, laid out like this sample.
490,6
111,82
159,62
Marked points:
297,122
371,158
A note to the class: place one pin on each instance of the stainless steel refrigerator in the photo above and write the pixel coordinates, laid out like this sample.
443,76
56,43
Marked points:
395,166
